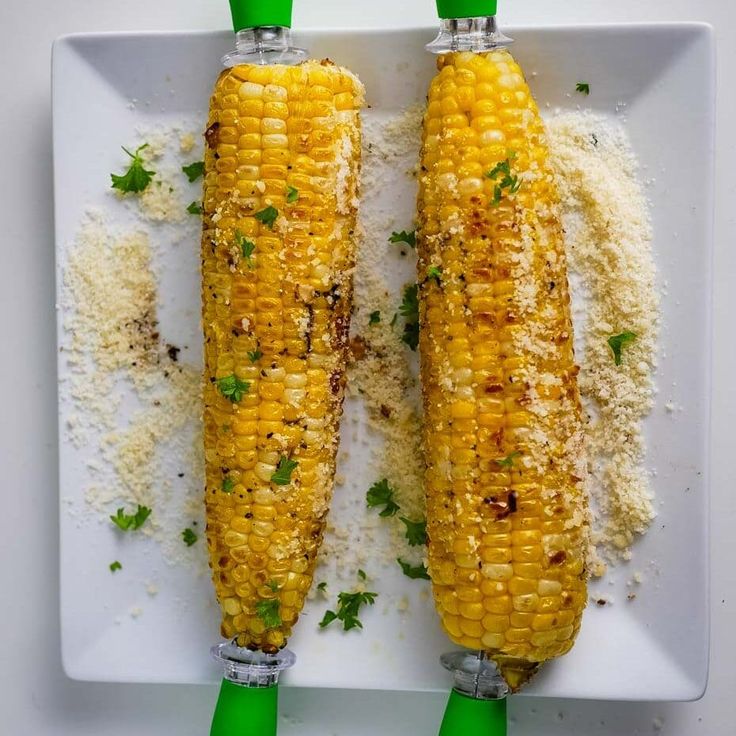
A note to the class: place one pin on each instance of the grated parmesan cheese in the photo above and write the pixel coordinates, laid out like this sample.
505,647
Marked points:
613,280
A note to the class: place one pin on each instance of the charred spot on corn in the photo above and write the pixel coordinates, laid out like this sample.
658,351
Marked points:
212,135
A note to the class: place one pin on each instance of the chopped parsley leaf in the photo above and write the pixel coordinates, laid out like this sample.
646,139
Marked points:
348,608
409,310
322,587
231,387
194,171
195,208
115,566
410,238
583,88
292,194
136,178
362,575
374,318
416,531
247,248
415,572
381,494
434,272
272,585
510,182
508,461
128,522
254,355
282,475
616,342
189,537
228,484
267,216
269,612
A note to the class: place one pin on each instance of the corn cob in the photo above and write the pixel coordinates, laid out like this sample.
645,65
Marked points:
281,166
506,508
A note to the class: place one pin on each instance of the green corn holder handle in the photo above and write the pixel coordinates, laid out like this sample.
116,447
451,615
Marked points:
468,716
249,695
245,711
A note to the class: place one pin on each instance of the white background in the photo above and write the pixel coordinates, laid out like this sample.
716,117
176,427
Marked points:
35,696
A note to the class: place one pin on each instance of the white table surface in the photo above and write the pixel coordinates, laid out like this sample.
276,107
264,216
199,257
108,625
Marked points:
35,696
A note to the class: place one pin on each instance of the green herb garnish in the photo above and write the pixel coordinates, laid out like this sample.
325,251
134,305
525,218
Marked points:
247,248
409,310
282,475
189,537
322,587
374,318
228,484
194,171
231,387
268,611
381,494
435,272
416,531
195,208
583,88
128,522
410,238
348,608
267,216
415,572
254,355
136,178
115,566
510,182
292,194
362,575
272,585
616,342
508,461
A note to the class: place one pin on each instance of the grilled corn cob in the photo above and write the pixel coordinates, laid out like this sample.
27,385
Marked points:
506,508
281,166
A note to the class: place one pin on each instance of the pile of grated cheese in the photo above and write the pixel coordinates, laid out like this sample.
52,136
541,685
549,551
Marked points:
613,280
136,405
383,372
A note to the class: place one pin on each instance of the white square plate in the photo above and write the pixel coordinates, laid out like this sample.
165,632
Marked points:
654,649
